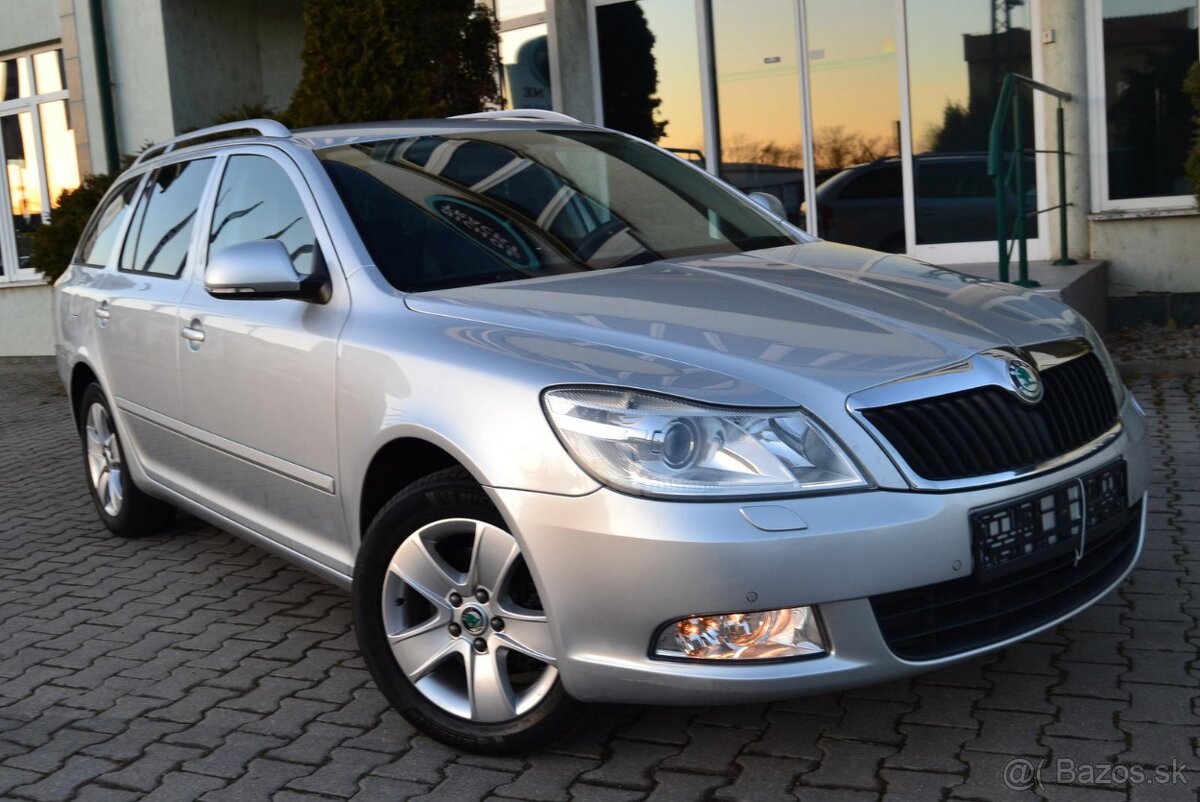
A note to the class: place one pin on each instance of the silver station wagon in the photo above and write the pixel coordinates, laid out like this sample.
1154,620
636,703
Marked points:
574,421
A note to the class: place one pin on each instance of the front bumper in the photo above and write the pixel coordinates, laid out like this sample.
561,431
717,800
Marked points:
611,569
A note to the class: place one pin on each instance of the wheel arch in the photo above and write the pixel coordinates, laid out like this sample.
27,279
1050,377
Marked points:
397,464
82,375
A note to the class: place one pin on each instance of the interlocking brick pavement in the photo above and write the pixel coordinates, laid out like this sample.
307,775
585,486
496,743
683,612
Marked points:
195,666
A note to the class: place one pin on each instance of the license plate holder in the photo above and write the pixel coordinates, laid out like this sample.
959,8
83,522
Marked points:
1022,532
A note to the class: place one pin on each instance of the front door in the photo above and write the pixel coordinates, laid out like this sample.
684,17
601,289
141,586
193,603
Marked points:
259,376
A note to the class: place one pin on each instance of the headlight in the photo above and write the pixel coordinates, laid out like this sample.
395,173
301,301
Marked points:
1110,370
657,446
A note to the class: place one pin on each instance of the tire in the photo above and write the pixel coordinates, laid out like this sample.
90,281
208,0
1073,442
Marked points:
421,562
122,506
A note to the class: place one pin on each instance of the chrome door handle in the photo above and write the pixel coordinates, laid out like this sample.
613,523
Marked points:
193,334
103,312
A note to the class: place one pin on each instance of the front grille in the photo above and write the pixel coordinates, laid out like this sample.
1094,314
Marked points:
987,430
964,614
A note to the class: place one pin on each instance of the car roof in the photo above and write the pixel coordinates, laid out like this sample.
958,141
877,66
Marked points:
274,132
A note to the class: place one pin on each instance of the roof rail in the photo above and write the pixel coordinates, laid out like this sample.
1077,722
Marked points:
543,115
271,128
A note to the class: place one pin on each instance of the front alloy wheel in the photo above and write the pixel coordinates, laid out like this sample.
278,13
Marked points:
451,624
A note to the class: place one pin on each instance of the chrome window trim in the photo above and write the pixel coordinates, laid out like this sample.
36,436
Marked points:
983,369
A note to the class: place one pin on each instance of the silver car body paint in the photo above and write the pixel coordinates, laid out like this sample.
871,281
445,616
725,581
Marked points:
267,428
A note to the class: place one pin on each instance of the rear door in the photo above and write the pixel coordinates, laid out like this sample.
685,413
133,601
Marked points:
135,312
259,376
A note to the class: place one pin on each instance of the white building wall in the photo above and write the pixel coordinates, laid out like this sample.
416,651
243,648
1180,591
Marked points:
25,23
1149,253
138,63
26,325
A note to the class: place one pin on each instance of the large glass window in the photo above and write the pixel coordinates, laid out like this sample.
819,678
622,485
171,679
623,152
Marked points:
1148,47
37,150
525,63
650,73
758,99
161,232
959,54
854,77
257,201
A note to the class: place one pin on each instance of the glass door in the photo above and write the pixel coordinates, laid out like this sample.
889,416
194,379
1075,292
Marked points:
958,54
758,82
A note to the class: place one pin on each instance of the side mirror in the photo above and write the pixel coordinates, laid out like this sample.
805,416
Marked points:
262,270
769,202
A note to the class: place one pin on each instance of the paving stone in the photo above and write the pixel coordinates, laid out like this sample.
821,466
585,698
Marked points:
341,775
61,785
1095,719
232,758
763,779
630,764
845,764
425,762
917,786
709,750
790,735
586,792
667,725
1095,681
676,787
373,789
1164,704
930,749
1023,693
945,707
260,781
145,773
314,746
465,782
546,779
1012,734
52,754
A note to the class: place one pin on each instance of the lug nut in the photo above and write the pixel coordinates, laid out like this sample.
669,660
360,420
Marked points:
481,596
455,629
498,624
480,645
455,599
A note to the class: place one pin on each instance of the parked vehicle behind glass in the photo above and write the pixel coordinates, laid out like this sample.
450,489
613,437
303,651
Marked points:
572,420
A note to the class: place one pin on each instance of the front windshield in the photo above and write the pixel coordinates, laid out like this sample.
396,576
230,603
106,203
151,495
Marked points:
457,209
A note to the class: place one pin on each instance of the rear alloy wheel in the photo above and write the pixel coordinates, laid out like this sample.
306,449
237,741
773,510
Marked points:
451,624
123,507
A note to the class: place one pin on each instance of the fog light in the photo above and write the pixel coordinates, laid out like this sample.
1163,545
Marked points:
767,635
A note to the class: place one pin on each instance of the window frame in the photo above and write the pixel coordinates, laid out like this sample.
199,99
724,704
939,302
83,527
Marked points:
1097,112
13,272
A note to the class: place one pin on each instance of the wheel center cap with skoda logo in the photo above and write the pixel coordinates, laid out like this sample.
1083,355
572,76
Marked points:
474,620
1025,380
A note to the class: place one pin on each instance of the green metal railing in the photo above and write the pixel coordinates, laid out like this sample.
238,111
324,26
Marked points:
1014,177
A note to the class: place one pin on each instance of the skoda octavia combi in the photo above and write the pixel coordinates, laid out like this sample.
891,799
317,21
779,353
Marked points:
574,421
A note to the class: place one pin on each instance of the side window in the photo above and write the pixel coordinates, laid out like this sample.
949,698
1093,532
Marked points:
874,184
97,244
161,232
257,200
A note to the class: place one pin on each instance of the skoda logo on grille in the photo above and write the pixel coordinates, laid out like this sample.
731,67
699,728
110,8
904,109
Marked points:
1025,380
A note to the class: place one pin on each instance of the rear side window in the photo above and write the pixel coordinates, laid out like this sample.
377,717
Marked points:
257,200
161,231
101,238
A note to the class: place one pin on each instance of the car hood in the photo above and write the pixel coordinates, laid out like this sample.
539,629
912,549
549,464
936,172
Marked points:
791,320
